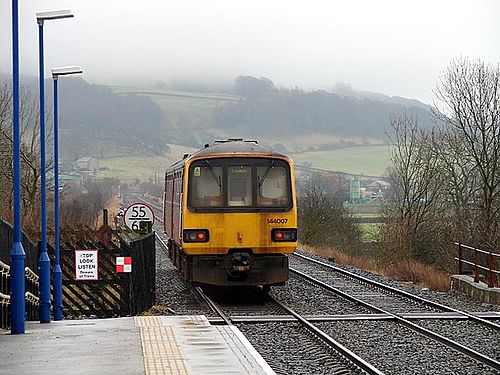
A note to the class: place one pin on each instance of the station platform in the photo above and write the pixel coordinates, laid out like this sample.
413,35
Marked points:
134,345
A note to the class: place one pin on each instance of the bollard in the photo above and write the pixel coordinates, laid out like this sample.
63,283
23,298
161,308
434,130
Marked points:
491,276
460,266
476,268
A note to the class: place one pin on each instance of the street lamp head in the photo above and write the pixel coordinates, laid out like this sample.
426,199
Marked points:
53,15
65,71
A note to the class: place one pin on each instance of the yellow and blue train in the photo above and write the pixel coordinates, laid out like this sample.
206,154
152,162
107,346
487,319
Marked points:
230,213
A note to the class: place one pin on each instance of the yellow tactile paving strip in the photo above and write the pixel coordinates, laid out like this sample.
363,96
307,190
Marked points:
159,347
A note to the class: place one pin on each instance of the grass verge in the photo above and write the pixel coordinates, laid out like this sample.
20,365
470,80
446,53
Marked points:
403,270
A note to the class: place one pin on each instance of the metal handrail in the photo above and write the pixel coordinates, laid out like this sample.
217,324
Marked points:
31,275
476,249
490,268
478,266
30,297
32,285
4,298
4,268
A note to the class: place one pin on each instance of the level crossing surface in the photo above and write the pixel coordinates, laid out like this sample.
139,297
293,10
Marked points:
147,345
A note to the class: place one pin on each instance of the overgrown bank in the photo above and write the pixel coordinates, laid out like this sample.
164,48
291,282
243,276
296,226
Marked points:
402,270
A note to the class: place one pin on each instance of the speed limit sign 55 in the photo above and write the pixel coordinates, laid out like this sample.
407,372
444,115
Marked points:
136,213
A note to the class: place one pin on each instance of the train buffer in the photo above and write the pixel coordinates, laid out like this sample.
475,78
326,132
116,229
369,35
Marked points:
147,345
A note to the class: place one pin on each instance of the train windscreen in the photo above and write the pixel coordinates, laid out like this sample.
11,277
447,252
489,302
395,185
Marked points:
239,184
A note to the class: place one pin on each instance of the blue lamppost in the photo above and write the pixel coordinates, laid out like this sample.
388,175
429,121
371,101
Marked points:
44,261
57,275
17,254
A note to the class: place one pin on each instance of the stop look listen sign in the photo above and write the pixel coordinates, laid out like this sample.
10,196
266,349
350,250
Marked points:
136,213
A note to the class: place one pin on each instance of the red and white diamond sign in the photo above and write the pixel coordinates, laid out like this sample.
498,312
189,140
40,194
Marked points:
123,264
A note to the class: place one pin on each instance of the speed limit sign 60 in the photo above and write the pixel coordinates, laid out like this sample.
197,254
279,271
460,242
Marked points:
136,213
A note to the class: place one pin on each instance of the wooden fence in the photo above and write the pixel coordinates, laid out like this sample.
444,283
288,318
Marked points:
113,294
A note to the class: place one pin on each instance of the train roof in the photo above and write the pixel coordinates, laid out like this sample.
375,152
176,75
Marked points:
231,147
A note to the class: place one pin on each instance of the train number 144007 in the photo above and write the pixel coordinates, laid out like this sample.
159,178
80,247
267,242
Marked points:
277,221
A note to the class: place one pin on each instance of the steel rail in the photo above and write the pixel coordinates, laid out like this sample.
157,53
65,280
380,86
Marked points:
428,333
154,205
161,241
403,293
323,336
351,317
358,361
199,291
213,306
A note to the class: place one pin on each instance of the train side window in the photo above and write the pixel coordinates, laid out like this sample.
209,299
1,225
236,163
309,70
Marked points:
239,179
206,186
272,186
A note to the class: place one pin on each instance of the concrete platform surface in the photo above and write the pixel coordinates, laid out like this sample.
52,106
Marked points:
141,345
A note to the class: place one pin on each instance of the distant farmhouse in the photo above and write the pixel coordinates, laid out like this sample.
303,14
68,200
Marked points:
87,164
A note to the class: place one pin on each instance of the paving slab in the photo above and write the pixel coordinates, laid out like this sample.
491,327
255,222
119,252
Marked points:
96,346
148,345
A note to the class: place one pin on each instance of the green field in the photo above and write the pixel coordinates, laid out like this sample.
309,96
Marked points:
191,111
182,108
364,159
131,167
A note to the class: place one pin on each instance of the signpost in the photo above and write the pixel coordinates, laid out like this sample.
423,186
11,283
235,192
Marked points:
136,213
86,265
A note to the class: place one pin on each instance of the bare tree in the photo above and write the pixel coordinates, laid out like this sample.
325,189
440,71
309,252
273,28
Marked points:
29,151
5,148
460,188
470,94
324,221
417,183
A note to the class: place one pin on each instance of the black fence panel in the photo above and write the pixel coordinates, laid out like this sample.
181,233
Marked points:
143,275
106,297
113,294
6,240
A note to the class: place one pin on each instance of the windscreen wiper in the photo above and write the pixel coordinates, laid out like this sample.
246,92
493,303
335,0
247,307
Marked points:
261,181
216,178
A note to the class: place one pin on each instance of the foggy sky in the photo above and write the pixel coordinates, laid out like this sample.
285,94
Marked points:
387,46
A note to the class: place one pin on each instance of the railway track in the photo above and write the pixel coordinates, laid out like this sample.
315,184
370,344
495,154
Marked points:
372,295
379,293
399,332
338,359
347,361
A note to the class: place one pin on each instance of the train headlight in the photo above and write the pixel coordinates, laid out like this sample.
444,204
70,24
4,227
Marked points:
195,235
284,235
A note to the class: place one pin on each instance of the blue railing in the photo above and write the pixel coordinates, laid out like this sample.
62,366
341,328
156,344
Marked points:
31,295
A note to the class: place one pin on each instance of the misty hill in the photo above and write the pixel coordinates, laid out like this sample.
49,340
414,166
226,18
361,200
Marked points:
285,112
99,121
405,102
95,121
